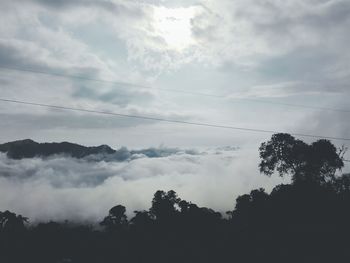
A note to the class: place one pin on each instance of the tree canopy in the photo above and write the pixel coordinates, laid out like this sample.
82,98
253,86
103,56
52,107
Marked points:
317,162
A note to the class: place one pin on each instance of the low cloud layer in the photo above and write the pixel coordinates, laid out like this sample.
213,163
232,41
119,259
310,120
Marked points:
65,188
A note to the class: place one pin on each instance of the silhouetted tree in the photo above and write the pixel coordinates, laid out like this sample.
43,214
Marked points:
116,218
251,207
192,214
164,205
142,219
342,184
11,222
316,163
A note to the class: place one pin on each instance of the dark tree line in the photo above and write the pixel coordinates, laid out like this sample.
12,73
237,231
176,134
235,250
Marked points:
305,221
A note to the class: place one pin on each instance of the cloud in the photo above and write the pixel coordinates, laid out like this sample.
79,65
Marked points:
328,123
44,39
256,29
274,90
64,188
287,41
246,33
289,89
124,154
47,37
288,47
122,94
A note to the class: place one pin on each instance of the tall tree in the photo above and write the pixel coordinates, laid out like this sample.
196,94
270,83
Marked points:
317,162
116,217
164,205
11,222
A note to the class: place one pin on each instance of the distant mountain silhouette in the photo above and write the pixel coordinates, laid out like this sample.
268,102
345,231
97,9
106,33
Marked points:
29,149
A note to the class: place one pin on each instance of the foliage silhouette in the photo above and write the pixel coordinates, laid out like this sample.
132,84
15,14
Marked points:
164,206
316,163
116,218
10,222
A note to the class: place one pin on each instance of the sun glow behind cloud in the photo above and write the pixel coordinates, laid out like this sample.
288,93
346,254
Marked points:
173,25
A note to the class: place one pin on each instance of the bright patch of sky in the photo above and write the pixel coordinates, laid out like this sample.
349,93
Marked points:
174,26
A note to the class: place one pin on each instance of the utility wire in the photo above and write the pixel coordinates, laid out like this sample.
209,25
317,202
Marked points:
137,86
62,75
169,120
130,85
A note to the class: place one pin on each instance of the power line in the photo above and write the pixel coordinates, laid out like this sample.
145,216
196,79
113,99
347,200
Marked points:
298,105
136,86
62,75
131,85
169,120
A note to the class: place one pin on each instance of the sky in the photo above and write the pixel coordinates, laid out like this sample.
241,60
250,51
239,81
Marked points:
221,62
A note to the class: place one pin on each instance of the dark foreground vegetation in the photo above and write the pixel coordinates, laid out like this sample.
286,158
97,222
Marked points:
305,221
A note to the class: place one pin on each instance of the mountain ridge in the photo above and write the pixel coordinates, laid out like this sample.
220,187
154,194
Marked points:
28,148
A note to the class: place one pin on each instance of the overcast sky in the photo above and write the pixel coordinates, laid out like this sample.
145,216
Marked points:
281,51
290,51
